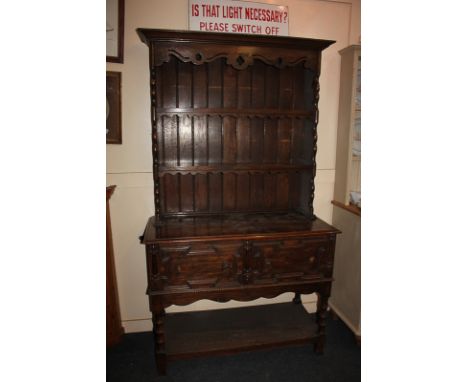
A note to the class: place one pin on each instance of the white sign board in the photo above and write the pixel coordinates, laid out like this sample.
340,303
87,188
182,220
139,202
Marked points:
228,16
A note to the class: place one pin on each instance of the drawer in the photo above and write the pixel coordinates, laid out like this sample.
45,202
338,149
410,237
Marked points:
233,263
293,259
198,265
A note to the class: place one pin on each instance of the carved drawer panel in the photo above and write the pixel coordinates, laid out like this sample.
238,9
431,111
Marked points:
235,263
293,259
198,265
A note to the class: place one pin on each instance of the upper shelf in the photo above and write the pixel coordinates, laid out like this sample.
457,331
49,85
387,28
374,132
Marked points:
247,167
234,112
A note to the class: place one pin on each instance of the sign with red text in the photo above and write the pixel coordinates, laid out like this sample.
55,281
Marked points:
228,16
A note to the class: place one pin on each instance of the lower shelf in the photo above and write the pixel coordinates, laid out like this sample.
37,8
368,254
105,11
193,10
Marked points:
229,331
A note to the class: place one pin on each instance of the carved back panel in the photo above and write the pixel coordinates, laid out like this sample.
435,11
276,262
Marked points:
234,122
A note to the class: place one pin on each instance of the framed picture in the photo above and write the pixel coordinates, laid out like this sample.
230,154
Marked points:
114,30
113,108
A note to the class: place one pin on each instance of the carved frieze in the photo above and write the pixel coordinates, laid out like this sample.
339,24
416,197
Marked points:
239,57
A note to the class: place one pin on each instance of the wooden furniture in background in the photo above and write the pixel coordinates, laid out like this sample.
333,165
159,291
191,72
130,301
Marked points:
346,292
114,328
113,107
234,133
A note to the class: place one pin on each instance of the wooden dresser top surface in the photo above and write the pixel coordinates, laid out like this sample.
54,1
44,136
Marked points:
235,226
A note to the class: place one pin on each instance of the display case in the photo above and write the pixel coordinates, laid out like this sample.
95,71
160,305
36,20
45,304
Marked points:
234,139
348,149
345,300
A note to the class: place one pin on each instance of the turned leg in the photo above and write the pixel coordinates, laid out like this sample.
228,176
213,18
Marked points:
297,298
321,315
159,341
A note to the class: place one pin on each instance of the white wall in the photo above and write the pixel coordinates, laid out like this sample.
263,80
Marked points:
129,166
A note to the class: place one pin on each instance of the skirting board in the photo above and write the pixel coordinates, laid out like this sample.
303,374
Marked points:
339,313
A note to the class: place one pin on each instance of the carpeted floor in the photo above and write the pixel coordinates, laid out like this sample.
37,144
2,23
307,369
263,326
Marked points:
133,361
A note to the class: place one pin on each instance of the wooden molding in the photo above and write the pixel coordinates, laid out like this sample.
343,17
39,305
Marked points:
350,208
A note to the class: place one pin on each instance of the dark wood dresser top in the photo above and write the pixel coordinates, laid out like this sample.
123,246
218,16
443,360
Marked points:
254,226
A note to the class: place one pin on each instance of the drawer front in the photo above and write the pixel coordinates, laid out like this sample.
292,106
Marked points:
293,259
234,263
199,265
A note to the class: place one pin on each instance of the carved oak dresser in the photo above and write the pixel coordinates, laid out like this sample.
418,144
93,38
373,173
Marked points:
234,138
